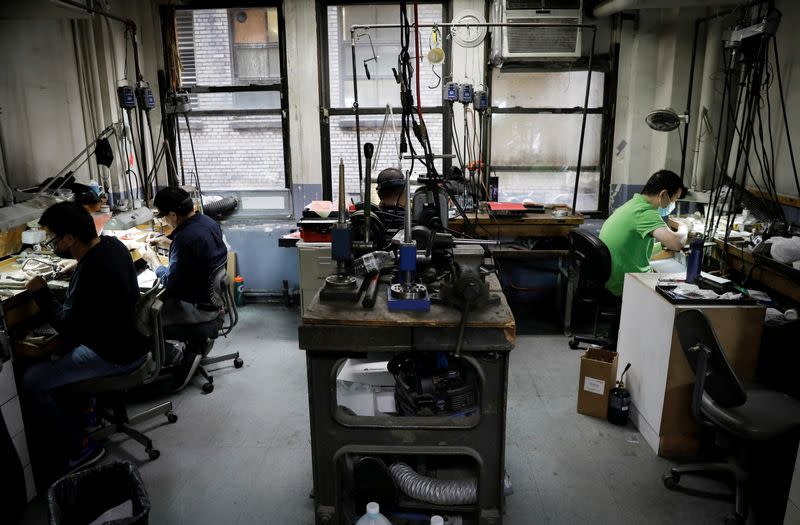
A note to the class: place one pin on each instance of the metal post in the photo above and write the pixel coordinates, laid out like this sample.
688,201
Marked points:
355,108
583,124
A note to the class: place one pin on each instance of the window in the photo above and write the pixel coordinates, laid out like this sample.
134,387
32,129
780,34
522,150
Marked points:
231,63
536,124
376,49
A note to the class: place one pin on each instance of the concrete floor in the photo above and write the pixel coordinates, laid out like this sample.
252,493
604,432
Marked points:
241,454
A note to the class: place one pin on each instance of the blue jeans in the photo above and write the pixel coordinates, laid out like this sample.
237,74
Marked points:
40,380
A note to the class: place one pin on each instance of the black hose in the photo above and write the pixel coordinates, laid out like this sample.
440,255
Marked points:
223,206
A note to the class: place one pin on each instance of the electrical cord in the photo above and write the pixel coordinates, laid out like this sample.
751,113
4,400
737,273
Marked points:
785,118
194,159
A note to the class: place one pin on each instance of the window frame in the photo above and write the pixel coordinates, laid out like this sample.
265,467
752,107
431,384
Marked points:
600,64
237,79
279,85
372,113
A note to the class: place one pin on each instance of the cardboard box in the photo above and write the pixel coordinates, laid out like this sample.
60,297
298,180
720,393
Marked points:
598,376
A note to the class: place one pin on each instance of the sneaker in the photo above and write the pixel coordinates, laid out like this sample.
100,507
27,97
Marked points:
90,454
91,421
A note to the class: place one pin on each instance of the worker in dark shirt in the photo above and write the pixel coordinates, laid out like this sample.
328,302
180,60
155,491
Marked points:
97,321
196,250
392,194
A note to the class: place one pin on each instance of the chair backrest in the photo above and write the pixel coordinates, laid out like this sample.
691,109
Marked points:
590,257
148,322
712,370
221,296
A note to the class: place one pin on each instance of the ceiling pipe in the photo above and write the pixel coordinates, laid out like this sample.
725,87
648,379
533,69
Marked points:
610,7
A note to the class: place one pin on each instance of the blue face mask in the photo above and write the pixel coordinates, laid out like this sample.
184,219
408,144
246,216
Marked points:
666,211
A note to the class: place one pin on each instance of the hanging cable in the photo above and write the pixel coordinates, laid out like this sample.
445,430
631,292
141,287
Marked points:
785,118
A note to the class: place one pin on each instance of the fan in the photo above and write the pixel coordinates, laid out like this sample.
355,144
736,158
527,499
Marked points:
665,119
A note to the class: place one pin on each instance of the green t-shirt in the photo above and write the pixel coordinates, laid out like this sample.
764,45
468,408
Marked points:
628,235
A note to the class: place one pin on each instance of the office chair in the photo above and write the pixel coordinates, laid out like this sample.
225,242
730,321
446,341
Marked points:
221,296
111,390
590,267
741,416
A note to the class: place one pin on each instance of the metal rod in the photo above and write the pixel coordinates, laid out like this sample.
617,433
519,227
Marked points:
481,242
583,126
368,151
407,232
341,191
445,156
355,27
355,108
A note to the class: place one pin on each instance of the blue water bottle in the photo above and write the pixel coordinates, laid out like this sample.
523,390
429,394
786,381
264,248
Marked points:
695,260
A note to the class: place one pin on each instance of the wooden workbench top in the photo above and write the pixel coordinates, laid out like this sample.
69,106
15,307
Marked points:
529,225
440,316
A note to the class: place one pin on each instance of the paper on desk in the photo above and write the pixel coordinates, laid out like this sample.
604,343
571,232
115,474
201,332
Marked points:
692,291
147,278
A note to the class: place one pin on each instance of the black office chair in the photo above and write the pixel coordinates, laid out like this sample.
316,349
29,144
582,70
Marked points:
221,296
740,416
590,267
111,390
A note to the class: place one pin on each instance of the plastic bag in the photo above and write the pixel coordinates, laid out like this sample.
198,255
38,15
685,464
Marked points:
785,250
80,498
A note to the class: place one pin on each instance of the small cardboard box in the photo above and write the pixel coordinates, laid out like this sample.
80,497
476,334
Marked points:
597,378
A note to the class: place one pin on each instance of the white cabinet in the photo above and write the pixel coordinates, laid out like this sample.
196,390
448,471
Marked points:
12,415
660,380
315,266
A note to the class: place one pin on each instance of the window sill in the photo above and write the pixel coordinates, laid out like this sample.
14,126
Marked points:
255,125
365,122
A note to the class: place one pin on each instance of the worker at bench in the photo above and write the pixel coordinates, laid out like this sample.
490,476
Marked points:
631,231
97,321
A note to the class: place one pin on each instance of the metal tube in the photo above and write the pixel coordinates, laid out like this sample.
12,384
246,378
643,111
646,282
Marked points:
355,109
407,232
355,27
368,151
341,191
583,125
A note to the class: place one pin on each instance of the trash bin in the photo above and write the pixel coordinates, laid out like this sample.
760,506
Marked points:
113,492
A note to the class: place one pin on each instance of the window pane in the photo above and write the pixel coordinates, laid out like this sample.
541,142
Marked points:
544,140
235,152
216,48
563,89
343,145
251,62
229,101
381,89
550,187
249,26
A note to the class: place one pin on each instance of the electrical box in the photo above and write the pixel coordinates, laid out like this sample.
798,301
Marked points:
450,92
126,97
465,92
481,100
145,97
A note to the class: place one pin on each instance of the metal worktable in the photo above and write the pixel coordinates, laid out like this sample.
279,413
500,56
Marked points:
332,332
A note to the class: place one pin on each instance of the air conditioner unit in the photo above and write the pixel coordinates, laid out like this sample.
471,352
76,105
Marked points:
544,42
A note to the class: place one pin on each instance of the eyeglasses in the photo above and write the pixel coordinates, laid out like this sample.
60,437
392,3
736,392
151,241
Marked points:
51,243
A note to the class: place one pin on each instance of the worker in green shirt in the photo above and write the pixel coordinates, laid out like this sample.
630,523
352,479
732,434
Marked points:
631,231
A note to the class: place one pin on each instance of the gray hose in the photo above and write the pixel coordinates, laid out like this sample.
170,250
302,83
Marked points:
436,491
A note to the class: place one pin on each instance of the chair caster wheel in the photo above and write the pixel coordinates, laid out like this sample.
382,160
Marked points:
208,388
153,453
172,417
238,362
735,519
671,480
574,344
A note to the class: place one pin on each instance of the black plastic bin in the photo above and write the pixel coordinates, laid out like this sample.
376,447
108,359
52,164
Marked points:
80,498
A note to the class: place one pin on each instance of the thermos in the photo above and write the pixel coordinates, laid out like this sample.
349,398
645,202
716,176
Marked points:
695,260
619,402
238,290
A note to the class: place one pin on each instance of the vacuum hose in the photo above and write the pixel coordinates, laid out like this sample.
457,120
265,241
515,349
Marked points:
220,207
436,491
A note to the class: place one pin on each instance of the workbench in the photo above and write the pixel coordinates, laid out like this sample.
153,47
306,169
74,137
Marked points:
331,332
660,380
529,225
783,281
